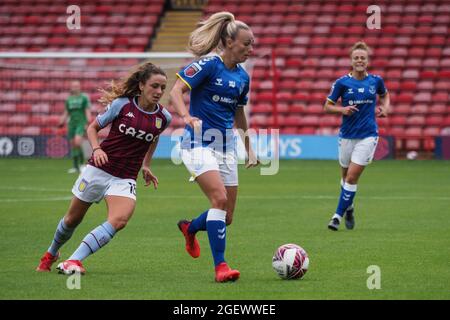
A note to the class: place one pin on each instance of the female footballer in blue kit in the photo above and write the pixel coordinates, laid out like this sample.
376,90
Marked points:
218,87
358,136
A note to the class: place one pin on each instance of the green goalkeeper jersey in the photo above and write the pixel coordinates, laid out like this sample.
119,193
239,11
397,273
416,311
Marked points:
76,108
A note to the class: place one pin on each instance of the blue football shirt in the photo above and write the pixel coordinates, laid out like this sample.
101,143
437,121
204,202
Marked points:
363,95
216,93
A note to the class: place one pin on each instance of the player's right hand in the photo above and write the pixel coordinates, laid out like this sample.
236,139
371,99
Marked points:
194,122
349,110
149,177
100,157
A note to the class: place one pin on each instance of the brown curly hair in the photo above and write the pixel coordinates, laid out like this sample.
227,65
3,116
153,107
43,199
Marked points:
129,87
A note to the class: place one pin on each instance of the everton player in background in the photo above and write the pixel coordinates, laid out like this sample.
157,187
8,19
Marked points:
137,120
358,136
218,87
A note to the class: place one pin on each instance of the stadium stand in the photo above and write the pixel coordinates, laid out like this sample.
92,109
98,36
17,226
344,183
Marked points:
310,40
36,96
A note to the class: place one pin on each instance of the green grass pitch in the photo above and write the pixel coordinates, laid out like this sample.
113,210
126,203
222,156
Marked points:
402,226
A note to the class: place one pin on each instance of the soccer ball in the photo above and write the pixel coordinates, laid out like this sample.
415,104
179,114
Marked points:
290,261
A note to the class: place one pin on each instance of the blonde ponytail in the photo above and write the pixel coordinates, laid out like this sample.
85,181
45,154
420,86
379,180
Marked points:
211,34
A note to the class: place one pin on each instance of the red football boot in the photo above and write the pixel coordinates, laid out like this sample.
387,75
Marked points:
46,262
70,267
224,273
192,246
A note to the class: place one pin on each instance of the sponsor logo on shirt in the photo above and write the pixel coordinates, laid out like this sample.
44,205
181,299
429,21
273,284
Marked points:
218,82
217,98
232,84
361,90
351,102
350,91
130,114
138,134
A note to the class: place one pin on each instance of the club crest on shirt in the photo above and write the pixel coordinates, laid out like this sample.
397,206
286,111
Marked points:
372,89
192,70
158,123
82,186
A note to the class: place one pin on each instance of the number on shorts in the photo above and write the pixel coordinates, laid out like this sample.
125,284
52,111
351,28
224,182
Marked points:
132,188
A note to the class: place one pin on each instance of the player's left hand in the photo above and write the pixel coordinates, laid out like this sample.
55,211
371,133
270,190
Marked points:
149,177
381,112
252,161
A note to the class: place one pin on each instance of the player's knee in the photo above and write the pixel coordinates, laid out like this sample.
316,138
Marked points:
219,200
119,224
72,221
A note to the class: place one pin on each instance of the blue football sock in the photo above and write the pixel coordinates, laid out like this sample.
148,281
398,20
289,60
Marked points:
346,198
62,234
342,188
199,223
95,240
216,227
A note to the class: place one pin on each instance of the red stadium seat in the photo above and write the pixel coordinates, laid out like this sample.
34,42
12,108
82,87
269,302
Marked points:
262,108
438,109
330,121
297,108
441,97
411,74
443,86
415,120
416,51
307,130
310,120
396,131
293,120
431,131
397,120
433,120
289,130
422,97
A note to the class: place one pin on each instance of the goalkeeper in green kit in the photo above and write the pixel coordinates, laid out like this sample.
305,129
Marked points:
78,112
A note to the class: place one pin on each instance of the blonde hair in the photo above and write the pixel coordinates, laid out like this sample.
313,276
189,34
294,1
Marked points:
360,45
212,33
129,87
